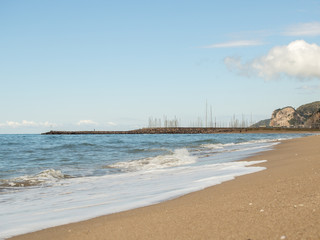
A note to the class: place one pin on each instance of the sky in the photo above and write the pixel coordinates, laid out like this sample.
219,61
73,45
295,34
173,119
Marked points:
111,65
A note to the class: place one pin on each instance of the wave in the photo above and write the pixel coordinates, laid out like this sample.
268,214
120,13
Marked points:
70,146
176,158
241,144
205,141
144,150
207,150
44,177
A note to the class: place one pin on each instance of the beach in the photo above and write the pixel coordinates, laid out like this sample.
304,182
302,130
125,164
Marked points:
281,202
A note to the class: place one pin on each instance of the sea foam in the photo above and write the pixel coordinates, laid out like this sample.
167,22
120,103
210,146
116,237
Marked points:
177,158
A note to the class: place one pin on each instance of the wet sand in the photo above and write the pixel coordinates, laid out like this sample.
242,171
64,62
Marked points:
282,202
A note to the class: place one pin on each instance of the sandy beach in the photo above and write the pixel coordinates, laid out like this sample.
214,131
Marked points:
281,202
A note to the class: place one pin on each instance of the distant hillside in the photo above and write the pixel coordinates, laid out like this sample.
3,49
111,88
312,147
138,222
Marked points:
307,110
305,116
262,123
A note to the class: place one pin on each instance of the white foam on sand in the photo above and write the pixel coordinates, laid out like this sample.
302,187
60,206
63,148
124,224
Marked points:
77,199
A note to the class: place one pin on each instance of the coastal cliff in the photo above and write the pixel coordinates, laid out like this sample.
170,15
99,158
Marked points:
305,116
282,117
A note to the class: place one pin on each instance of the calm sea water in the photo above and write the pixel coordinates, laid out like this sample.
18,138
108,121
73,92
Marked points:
52,180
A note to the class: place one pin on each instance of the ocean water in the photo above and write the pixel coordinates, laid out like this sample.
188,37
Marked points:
49,180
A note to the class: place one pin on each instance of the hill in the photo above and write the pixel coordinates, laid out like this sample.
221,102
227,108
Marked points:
305,116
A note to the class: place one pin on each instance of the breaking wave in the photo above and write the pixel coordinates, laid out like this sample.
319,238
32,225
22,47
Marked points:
45,177
177,158
241,145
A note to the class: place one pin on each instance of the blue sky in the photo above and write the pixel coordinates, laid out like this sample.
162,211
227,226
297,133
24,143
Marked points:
110,65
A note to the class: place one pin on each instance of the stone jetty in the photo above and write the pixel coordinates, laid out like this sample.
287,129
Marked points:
185,130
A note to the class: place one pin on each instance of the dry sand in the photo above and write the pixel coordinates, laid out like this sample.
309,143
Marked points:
282,202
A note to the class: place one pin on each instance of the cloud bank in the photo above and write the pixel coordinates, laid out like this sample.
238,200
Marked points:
25,123
298,59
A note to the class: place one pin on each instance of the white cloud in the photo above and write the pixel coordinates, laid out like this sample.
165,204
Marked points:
25,123
86,122
235,64
29,123
298,59
304,29
12,124
240,43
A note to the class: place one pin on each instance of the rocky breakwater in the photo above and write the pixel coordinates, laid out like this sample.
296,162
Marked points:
176,130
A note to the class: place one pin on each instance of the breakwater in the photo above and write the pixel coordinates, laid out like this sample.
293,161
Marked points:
187,130
178,130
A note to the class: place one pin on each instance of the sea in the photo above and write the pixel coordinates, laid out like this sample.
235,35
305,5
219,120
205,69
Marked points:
50,180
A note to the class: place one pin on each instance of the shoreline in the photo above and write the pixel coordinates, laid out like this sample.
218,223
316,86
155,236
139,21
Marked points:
281,202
